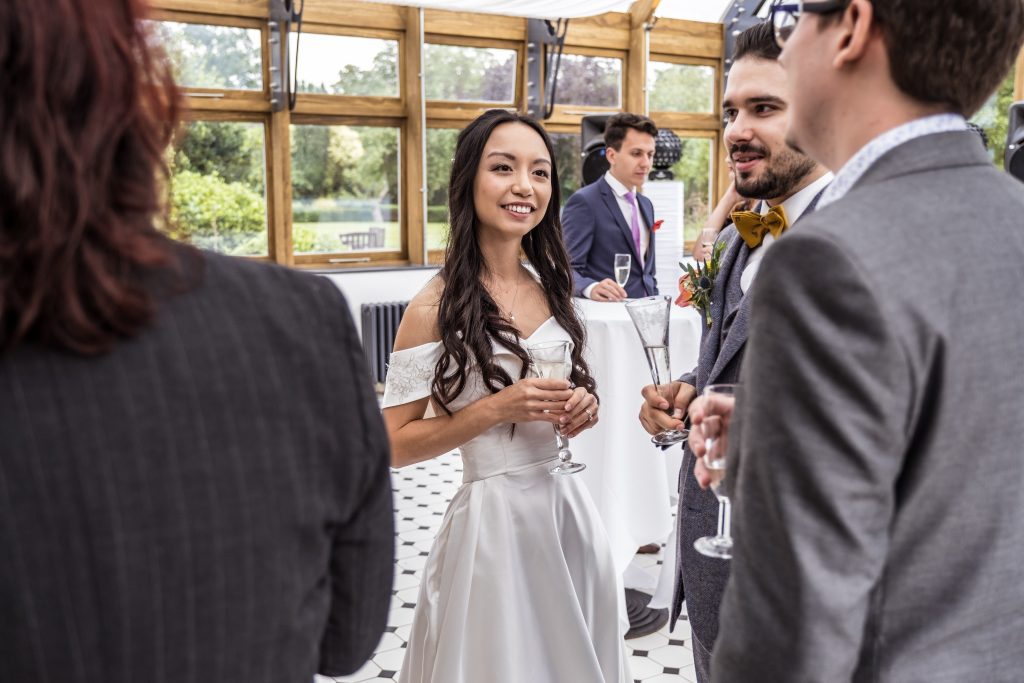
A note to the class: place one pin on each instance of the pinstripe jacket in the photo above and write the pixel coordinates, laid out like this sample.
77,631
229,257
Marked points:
210,501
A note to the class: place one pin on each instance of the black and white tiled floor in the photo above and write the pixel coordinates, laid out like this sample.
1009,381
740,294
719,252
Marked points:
421,494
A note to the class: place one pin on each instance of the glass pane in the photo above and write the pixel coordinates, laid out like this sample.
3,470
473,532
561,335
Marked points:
207,56
345,189
681,87
993,118
470,74
218,188
346,65
590,81
694,169
568,163
440,150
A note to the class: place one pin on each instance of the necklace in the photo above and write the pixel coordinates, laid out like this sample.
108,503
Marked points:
509,312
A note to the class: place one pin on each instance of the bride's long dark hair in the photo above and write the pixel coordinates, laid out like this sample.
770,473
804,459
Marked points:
468,318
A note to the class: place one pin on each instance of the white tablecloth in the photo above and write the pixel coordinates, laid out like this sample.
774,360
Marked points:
630,479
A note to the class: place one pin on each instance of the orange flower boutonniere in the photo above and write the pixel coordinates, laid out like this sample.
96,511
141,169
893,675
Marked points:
696,283
657,224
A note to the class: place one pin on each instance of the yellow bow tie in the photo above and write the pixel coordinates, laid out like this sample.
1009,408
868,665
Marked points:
753,226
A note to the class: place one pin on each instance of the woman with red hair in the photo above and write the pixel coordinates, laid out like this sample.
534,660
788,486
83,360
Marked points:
193,470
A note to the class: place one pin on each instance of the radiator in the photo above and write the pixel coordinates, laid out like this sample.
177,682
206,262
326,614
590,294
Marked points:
380,325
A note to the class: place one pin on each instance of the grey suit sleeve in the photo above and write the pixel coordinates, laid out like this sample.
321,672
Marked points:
362,550
817,448
578,228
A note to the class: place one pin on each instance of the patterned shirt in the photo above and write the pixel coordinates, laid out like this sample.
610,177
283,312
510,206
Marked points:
864,159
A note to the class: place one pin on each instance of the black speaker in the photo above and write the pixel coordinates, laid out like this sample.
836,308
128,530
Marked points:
592,146
1015,141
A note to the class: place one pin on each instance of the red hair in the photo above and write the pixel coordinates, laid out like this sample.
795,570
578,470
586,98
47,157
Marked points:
88,108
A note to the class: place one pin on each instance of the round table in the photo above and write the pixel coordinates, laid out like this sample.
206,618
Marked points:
630,479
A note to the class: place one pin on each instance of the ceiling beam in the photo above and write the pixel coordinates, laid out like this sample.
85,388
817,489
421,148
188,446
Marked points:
641,12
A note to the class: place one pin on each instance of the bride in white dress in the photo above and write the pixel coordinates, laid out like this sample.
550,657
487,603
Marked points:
519,586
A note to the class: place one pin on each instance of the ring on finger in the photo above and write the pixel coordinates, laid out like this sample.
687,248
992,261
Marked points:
590,415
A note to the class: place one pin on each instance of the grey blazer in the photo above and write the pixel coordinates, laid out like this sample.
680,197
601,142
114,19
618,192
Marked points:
208,502
700,580
876,452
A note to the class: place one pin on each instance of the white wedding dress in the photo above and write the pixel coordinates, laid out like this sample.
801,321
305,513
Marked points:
519,586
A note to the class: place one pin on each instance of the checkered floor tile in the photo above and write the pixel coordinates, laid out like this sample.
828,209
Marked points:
421,494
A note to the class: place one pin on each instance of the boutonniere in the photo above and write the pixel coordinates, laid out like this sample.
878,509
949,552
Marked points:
696,283
657,224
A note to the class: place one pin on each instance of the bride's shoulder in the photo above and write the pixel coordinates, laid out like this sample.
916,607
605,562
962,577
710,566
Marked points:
419,323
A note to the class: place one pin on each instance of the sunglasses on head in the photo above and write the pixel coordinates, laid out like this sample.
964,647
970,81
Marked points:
784,15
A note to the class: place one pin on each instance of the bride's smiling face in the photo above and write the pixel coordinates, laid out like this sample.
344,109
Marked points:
512,187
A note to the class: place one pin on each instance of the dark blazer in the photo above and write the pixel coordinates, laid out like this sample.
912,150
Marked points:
876,458
595,230
208,502
701,580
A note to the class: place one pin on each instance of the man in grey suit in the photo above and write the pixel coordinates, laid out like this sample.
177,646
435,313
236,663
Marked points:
875,454
788,185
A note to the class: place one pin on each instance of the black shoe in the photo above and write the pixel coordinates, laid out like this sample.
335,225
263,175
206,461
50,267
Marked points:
642,619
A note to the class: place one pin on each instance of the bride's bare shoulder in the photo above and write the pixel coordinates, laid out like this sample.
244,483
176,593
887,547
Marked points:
419,324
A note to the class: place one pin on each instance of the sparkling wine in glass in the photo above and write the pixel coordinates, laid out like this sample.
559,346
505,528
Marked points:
553,360
651,316
719,545
623,264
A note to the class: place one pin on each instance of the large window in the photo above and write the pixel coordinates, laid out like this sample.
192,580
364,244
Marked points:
347,65
206,56
356,170
694,168
470,74
681,87
568,162
587,80
345,189
440,150
218,187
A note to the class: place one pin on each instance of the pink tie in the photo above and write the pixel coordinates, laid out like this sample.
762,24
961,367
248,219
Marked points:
634,222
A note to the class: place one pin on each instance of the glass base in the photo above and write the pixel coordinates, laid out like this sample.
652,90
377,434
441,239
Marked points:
714,546
670,437
568,468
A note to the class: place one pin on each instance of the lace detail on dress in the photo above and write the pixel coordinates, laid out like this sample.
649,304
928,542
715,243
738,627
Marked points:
410,372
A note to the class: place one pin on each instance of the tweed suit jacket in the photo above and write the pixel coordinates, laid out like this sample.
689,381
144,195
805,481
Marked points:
701,580
876,448
595,230
208,502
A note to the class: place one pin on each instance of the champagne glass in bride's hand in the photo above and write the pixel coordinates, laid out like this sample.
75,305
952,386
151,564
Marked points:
623,264
719,545
651,317
553,360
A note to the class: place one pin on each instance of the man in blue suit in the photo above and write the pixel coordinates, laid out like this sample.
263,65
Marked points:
610,216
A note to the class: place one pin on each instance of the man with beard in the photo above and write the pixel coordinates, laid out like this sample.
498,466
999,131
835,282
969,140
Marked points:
788,184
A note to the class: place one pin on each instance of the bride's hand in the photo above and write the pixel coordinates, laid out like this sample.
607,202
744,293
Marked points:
532,400
580,413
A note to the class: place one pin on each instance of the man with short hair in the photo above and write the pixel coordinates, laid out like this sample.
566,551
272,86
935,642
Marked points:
875,456
788,184
610,216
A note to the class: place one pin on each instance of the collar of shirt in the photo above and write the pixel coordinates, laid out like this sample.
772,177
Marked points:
618,188
866,157
798,203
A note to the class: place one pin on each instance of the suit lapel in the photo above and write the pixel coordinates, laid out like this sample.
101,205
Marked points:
613,206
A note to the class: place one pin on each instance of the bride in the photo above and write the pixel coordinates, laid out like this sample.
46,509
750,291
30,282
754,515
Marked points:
519,585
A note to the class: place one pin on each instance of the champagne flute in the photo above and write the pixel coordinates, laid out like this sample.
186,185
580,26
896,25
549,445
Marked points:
719,545
553,360
623,264
651,316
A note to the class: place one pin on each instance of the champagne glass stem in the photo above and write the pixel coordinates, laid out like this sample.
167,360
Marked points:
725,518
563,446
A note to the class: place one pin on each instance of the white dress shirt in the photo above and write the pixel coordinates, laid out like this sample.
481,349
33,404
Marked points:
620,190
794,208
